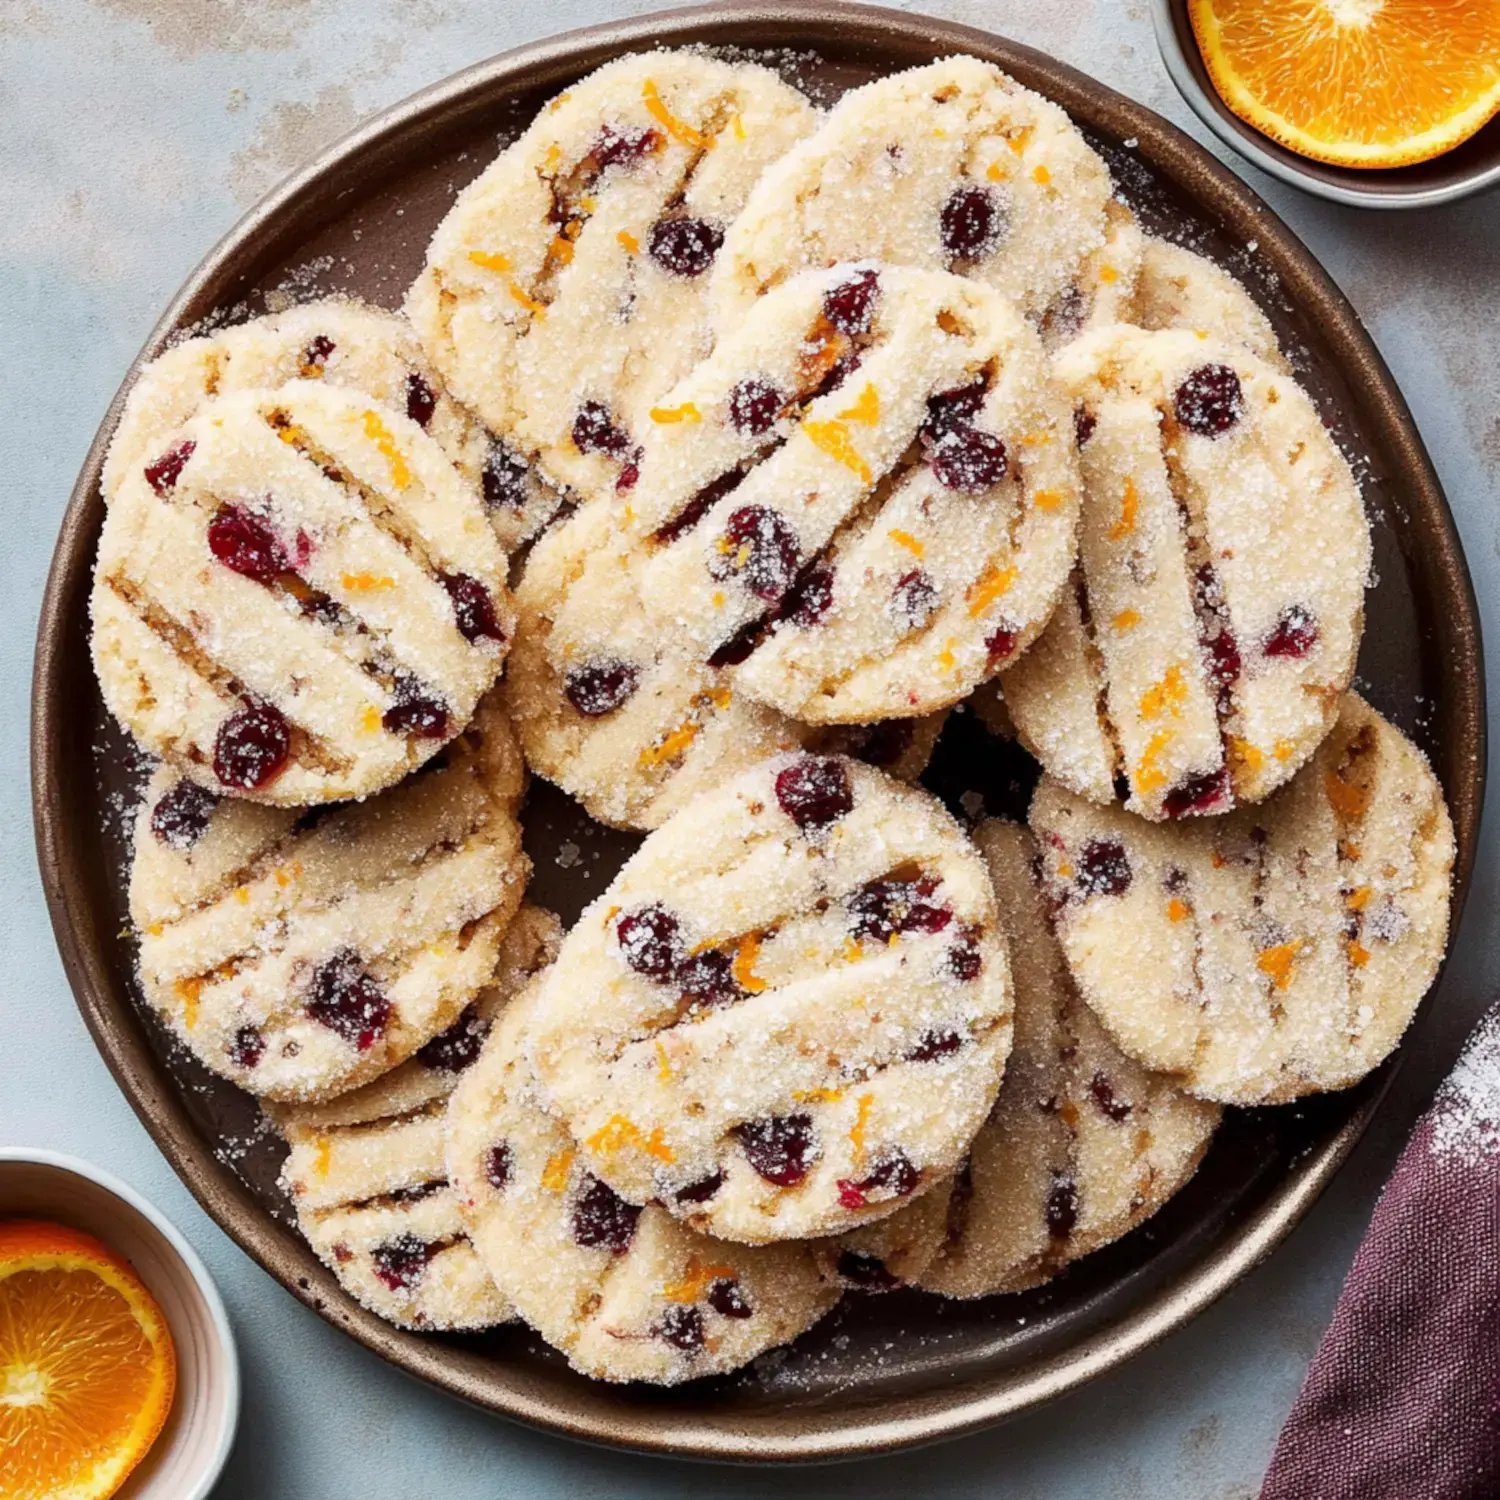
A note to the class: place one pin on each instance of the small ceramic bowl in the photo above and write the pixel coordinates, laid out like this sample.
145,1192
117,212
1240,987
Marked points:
186,1460
1467,169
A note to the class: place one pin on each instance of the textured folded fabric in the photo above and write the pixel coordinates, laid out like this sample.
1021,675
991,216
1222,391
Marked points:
1403,1398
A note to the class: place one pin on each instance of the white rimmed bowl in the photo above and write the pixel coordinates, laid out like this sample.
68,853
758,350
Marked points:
185,1461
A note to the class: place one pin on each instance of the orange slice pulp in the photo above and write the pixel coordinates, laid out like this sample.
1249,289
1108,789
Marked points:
1358,83
87,1366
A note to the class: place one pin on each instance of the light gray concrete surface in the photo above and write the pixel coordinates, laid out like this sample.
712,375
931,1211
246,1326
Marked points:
132,134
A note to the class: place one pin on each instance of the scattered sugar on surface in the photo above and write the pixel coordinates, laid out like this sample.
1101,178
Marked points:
1466,1123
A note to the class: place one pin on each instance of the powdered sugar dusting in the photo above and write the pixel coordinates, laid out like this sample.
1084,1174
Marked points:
1466,1125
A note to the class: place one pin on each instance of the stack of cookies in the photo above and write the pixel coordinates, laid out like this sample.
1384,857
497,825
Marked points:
723,448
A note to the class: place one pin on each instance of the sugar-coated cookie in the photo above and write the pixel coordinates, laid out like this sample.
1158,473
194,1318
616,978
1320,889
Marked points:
951,166
1201,654
1276,952
567,286
865,499
301,957
627,1293
789,1012
305,605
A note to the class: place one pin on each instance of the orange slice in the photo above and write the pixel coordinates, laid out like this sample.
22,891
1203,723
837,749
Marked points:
87,1367
1359,83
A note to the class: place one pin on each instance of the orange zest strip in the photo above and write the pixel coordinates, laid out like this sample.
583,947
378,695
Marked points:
946,659
737,125
866,1103
1283,750
818,1096
369,720
1359,899
833,439
907,540
671,747
696,1280
1278,961
618,1133
187,991
1177,910
744,964
379,434
1047,499
520,294
629,241
1022,139
663,1062
1129,506
687,412
555,1173
678,129
1246,754
561,250
1167,696
1127,619
488,262
367,583
995,172
1041,174
866,408
1347,801
1148,775
1107,274
992,584
1358,956
323,1156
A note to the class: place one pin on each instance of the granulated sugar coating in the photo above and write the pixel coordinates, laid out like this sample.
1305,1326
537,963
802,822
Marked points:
566,288
952,166
1275,952
626,1293
302,959
367,1175
1082,1145
789,1012
1466,1113
299,600
873,506
1218,606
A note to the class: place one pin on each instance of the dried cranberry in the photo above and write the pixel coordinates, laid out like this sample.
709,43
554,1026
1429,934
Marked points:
867,1272
779,1147
1296,633
970,461
602,1220
1208,791
344,998
737,647
947,411
684,247
940,1042
1064,317
246,1047
965,961
726,1299
971,223
1209,402
682,1328
163,475
914,599
698,507
810,597
1062,1207
399,1263
458,1047
850,306
814,793
630,473
650,941
319,347
880,909
417,1191
885,743
245,544
1001,644
707,978
473,608
760,549
754,405
1104,868
252,746
1223,662
594,431
702,1190
893,1176
503,478
599,686
181,816
625,147
499,1163
1084,423
1104,1096
415,712
421,402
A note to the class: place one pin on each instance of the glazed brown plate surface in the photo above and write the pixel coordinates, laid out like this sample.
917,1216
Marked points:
882,1371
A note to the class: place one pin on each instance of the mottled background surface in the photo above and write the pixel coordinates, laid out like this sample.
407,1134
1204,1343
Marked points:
132,134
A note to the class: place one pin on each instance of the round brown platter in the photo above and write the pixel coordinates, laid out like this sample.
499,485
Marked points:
882,1372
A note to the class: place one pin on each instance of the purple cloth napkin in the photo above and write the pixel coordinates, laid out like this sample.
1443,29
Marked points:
1403,1398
